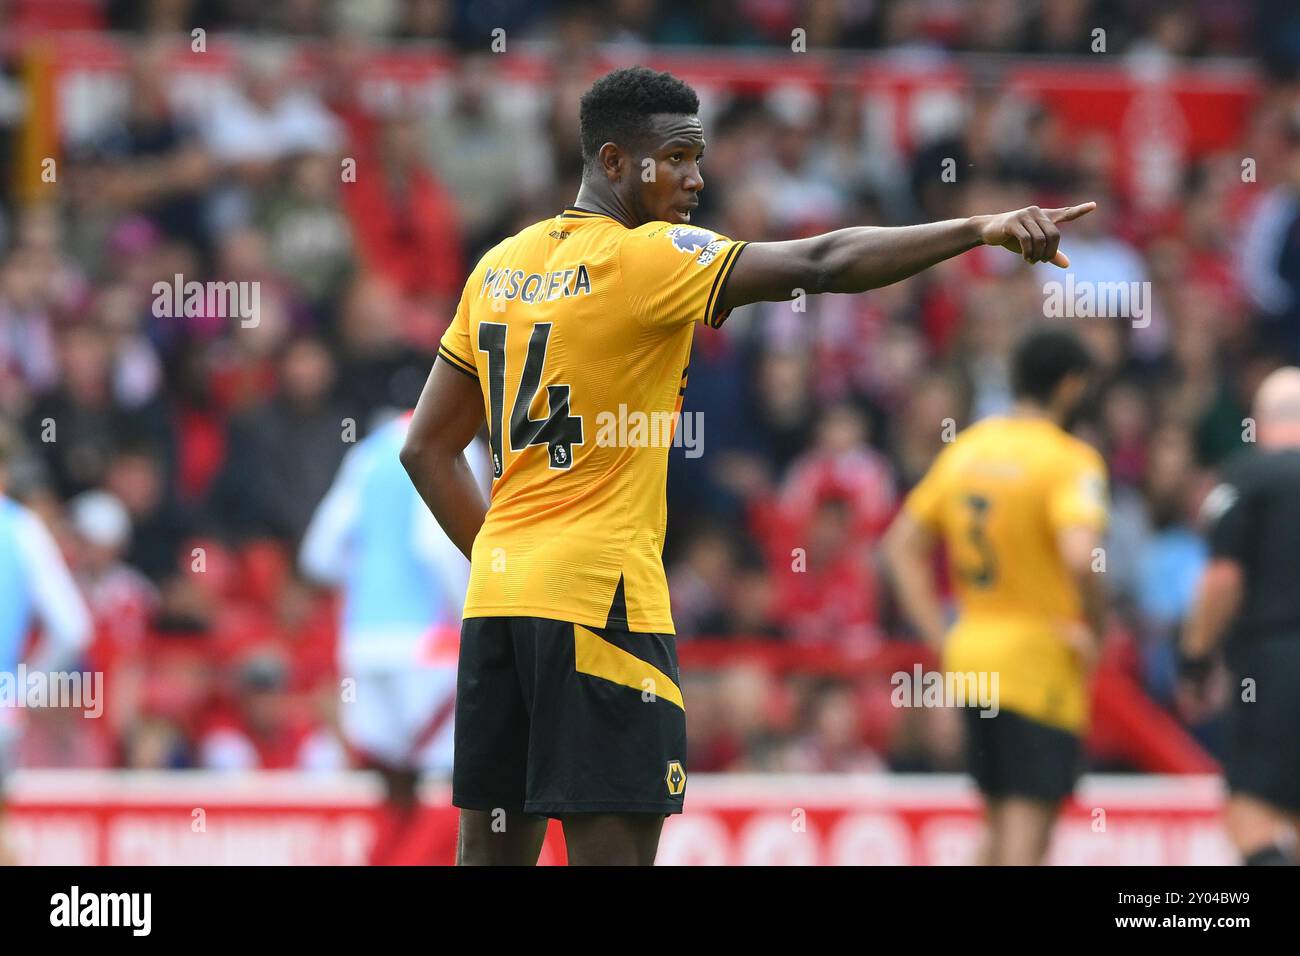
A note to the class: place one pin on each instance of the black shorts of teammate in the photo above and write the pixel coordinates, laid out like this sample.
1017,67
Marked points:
1262,740
555,718
1013,756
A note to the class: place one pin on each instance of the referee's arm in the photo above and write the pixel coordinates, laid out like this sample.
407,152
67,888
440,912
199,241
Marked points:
1218,599
1228,514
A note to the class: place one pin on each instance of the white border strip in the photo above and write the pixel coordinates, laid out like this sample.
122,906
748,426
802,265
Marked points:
359,788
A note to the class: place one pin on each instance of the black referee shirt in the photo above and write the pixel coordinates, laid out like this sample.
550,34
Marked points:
1253,517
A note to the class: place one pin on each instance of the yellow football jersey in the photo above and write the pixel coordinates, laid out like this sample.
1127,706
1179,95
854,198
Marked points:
998,496
579,332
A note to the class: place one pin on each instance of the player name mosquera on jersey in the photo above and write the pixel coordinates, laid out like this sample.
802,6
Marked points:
531,287
570,321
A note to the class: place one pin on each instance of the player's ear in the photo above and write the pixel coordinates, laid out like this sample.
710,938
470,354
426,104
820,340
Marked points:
611,161
1074,389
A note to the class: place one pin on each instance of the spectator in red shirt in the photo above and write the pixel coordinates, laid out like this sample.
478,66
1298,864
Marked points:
264,729
841,462
818,532
404,221
122,601
827,589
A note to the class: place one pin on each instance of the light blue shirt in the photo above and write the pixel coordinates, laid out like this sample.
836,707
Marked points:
374,537
36,587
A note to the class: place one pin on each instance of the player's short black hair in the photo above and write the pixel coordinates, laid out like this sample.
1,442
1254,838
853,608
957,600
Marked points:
617,107
1042,360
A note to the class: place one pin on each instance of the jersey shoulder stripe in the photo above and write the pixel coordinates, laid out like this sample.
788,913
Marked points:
719,284
456,362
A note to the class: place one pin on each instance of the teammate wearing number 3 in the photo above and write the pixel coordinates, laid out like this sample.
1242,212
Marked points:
1021,506
569,703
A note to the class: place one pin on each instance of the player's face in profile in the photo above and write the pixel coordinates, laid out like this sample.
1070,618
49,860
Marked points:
666,176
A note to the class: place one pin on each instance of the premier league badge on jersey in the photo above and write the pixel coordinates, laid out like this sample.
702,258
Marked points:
689,239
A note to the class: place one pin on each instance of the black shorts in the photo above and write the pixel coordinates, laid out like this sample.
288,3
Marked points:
555,718
1262,745
1013,756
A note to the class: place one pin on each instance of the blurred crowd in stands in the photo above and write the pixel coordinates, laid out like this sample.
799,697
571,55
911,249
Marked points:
1174,28
179,459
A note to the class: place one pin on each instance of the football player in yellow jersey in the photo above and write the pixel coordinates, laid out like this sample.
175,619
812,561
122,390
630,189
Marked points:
572,341
1020,506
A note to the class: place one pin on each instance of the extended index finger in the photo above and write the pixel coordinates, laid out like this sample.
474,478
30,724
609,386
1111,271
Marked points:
1070,213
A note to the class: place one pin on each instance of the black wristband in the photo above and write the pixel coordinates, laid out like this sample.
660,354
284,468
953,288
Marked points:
1195,669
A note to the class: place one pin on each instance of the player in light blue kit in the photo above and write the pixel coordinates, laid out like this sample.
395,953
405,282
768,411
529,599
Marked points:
35,588
403,585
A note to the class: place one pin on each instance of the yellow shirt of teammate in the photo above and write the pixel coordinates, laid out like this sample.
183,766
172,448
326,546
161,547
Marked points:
997,497
579,332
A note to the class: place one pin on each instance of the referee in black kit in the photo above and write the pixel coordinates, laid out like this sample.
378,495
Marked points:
1250,591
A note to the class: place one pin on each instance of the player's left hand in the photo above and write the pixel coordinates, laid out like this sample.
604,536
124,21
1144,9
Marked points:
1201,690
1079,637
1031,231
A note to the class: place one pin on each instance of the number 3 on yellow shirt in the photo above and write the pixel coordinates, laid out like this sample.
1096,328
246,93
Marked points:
982,572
